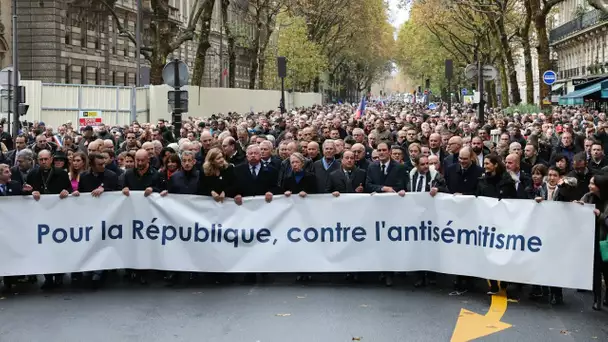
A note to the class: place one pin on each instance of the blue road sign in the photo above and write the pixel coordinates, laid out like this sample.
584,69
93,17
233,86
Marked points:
549,77
464,91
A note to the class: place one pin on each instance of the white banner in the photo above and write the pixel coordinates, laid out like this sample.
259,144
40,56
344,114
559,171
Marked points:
511,240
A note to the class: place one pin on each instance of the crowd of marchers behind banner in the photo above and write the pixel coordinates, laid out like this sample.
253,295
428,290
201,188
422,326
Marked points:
393,147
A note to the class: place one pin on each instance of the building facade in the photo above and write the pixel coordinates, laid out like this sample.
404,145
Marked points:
71,42
580,41
520,70
5,33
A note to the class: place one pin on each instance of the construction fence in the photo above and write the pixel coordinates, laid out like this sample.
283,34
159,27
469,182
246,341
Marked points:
56,104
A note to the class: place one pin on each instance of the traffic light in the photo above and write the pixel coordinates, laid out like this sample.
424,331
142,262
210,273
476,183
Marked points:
427,84
22,110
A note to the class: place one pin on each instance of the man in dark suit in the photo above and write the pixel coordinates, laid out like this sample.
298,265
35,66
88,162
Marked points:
328,164
348,179
268,160
255,180
8,187
435,146
523,179
232,151
454,146
98,179
48,180
462,178
25,164
20,144
385,175
360,160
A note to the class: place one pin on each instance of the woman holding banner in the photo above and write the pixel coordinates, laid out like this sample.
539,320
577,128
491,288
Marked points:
598,196
302,183
560,189
496,183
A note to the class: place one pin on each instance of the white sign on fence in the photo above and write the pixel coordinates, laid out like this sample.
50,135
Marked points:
90,118
511,240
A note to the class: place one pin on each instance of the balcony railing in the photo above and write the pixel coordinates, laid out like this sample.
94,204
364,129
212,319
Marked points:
570,28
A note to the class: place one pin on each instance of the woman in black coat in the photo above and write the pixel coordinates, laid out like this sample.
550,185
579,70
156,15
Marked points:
217,177
302,183
299,181
496,183
598,195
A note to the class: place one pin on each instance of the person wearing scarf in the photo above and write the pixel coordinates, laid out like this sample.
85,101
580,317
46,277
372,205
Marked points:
496,183
556,188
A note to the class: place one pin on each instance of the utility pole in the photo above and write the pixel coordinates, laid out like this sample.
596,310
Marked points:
480,109
137,62
138,45
15,75
449,69
222,52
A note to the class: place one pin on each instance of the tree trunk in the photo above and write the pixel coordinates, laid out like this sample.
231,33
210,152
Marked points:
231,45
528,72
524,35
203,44
255,51
504,85
510,64
544,59
262,66
157,63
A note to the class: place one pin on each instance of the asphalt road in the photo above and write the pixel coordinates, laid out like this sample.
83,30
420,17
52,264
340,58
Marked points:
282,312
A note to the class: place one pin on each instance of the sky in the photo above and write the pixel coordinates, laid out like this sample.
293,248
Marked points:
398,16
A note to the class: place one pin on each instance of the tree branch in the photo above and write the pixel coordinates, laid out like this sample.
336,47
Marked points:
548,5
188,33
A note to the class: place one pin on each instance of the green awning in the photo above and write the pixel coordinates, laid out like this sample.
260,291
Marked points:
577,97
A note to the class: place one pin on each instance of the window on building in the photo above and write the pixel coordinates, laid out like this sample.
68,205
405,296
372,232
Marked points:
97,76
126,78
68,28
83,32
83,75
68,74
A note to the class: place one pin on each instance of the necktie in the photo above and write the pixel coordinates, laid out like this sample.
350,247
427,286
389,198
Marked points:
383,168
2,189
420,183
253,171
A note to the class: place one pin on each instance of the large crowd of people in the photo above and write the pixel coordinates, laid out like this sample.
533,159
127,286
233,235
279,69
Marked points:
394,147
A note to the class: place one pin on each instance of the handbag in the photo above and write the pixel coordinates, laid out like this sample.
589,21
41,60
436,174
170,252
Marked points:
604,250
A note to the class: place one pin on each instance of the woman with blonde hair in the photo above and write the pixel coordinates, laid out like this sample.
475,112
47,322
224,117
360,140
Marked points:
78,165
217,179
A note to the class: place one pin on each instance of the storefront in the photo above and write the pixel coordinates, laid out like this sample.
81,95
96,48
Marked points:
592,94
